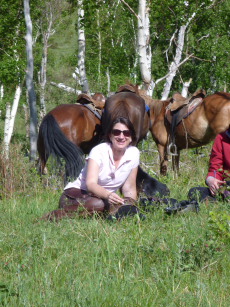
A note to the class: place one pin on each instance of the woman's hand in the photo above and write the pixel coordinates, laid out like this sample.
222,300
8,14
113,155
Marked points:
214,184
115,199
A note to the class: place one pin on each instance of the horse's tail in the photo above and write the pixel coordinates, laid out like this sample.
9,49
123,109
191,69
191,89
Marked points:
56,144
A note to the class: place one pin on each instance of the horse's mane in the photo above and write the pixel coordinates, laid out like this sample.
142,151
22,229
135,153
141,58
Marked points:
225,95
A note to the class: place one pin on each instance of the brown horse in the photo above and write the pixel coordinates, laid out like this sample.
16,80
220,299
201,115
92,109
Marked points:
127,102
68,132
210,117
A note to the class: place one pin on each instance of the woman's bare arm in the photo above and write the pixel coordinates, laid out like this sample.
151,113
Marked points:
129,188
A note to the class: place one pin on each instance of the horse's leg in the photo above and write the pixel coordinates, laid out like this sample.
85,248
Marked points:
163,159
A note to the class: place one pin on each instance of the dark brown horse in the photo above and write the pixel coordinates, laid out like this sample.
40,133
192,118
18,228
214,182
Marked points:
210,117
127,102
68,132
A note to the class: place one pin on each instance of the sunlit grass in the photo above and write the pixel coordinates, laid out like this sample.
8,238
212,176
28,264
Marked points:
162,261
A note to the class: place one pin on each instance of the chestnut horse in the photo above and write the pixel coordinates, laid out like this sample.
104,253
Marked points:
69,131
211,116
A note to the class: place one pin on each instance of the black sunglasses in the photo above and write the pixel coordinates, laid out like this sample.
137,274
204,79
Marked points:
117,132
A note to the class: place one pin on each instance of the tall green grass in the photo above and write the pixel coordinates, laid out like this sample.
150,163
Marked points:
180,260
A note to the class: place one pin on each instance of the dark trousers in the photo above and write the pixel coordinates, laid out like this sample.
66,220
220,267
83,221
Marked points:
203,193
75,201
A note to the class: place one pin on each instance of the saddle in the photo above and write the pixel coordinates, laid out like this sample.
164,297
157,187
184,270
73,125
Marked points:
128,88
180,107
134,89
94,103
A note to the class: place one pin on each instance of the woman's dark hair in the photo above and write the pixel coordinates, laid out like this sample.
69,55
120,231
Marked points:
125,121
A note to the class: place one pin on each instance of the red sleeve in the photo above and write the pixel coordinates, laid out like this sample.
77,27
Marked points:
216,159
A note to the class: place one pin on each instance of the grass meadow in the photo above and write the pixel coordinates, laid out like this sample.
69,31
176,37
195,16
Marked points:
179,260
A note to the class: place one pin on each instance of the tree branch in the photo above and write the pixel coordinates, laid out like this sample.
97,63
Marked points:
182,62
130,9
66,88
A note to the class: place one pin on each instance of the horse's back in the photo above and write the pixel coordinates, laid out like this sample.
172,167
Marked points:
125,104
67,112
217,111
211,117
76,121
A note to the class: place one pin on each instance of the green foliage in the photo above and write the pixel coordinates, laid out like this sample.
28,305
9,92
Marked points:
12,31
220,224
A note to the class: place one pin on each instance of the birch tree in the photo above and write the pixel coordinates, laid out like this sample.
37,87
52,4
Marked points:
177,59
12,111
81,48
144,47
29,81
10,119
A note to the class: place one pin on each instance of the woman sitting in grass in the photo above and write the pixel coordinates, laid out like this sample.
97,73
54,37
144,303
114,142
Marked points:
218,172
111,166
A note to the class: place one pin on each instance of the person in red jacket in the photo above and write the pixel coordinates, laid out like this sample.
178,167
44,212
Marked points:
219,168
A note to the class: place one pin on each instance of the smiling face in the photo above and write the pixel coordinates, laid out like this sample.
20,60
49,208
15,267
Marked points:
119,140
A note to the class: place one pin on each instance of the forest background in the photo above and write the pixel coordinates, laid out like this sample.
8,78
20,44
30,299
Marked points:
195,31
179,260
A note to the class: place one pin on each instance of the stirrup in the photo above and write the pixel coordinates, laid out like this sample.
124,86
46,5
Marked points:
172,149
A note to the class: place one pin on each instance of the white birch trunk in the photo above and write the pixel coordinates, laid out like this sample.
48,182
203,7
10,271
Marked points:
29,81
174,65
42,76
108,81
10,119
1,91
186,85
6,127
99,46
144,48
81,49
177,60
1,95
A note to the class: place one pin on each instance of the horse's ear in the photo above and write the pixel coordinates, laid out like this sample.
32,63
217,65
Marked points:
199,93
